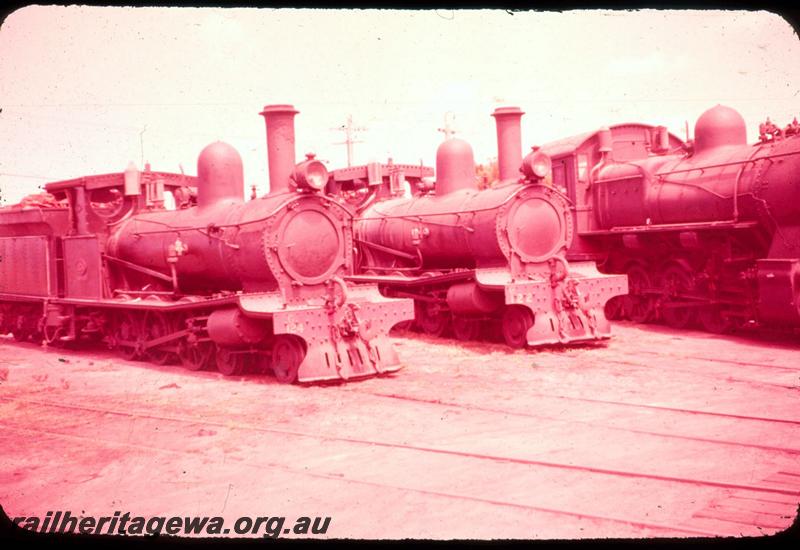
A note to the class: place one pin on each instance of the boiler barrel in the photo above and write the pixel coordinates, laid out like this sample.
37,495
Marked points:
470,228
207,257
254,246
668,190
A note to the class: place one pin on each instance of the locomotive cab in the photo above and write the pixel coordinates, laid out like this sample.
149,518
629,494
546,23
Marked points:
96,204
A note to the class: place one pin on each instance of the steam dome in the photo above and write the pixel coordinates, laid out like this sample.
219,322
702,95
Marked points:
219,174
455,166
719,126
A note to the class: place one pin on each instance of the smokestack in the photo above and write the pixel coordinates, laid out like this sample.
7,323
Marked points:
280,145
509,141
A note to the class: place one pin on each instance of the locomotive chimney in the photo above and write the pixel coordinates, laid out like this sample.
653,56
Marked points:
455,166
219,174
280,145
509,141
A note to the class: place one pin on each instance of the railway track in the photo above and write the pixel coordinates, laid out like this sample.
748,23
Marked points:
676,409
670,530
417,448
475,421
709,370
505,412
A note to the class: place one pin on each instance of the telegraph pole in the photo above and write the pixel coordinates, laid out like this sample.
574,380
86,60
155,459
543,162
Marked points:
349,132
141,143
448,130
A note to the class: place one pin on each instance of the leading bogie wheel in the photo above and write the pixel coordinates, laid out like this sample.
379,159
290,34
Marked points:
288,353
432,317
517,320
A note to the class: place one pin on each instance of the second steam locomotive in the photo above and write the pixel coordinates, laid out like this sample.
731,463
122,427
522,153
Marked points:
477,259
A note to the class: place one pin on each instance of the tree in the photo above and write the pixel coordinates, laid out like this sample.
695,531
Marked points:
487,173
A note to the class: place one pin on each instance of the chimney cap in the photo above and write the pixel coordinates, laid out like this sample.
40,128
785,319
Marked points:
508,111
282,108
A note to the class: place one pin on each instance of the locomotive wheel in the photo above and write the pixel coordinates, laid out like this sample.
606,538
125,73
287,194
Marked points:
21,335
157,325
675,282
638,306
432,318
230,363
408,324
21,328
195,355
288,353
712,320
517,319
129,329
465,328
615,308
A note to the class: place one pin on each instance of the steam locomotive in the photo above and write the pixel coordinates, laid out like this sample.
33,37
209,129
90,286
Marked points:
478,260
707,231
252,286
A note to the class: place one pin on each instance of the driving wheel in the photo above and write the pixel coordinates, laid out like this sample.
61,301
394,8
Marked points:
638,304
676,283
465,328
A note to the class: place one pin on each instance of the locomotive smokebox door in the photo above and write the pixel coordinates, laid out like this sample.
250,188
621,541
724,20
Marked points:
82,267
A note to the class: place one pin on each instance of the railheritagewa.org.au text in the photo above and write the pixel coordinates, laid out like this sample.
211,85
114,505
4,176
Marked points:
127,524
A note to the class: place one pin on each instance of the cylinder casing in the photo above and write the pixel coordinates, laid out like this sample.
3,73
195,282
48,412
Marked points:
230,328
469,299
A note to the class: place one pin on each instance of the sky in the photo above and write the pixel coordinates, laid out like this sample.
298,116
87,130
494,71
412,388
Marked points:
85,90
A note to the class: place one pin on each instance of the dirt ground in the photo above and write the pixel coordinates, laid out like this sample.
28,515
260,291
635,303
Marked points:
655,433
